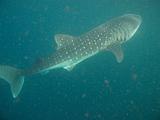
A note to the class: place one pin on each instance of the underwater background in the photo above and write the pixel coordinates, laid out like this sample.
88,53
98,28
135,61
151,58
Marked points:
98,88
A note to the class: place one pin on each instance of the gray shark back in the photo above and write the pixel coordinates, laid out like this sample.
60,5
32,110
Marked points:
108,36
119,29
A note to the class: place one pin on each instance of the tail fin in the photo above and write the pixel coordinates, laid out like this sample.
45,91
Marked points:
14,77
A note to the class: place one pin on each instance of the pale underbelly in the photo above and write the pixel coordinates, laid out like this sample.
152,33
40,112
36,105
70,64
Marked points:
70,62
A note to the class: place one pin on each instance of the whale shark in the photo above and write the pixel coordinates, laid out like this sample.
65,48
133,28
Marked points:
71,50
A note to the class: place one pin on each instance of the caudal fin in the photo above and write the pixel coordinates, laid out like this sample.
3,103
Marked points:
14,77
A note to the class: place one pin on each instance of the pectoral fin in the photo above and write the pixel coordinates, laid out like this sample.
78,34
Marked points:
117,51
69,68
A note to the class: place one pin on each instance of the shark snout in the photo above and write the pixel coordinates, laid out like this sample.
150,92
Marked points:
137,18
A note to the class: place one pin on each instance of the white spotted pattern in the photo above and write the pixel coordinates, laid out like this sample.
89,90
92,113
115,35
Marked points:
73,50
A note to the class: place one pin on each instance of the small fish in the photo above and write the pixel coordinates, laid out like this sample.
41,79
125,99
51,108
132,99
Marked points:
72,50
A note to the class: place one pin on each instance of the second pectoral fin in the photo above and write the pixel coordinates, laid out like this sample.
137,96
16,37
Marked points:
117,51
70,67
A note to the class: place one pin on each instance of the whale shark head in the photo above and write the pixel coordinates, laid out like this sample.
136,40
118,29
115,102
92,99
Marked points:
130,23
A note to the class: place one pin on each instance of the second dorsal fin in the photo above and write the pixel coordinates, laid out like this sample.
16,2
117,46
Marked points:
63,40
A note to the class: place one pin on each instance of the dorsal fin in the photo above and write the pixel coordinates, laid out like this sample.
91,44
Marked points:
63,40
